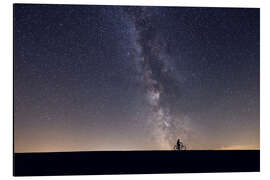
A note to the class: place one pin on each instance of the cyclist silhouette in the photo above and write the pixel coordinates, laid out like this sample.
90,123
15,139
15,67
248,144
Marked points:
179,146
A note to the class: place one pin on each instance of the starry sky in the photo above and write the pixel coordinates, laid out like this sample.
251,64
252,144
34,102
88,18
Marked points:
90,78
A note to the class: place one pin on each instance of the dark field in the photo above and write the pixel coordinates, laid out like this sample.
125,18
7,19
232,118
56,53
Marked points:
132,162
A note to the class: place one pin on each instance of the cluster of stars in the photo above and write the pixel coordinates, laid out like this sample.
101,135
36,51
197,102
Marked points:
135,78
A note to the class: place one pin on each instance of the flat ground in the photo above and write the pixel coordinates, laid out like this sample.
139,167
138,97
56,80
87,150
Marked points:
132,162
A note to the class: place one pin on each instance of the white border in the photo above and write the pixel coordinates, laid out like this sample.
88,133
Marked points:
208,3
6,86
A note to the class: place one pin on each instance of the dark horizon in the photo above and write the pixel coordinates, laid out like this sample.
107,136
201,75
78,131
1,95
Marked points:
126,162
131,78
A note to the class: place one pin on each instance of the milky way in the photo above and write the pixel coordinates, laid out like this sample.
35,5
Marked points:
135,78
155,69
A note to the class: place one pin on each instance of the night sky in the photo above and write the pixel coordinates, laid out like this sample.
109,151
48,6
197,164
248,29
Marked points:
92,78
